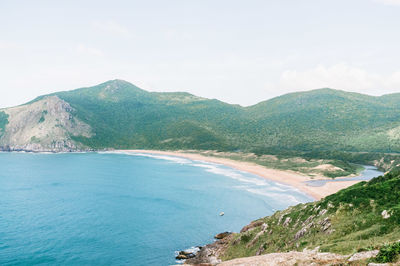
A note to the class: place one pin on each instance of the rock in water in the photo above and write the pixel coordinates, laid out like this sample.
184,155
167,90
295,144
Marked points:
181,257
222,235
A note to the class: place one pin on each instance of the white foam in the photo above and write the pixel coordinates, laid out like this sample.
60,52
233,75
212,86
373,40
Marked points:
155,156
276,188
255,185
165,157
232,173
287,198
250,183
193,250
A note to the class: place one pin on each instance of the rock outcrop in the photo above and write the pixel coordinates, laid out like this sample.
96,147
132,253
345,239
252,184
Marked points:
47,124
306,257
222,235
210,254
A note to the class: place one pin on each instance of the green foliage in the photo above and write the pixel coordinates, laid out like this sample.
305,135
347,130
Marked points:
300,164
245,238
123,116
35,139
388,253
345,222
3,121
321,121
324,120
42,118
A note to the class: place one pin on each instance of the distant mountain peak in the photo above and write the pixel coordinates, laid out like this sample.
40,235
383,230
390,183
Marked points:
116,84
116,90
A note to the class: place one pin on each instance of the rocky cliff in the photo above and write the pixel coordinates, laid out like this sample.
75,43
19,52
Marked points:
47,124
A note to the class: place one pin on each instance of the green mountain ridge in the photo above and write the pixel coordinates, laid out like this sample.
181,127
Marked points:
123,116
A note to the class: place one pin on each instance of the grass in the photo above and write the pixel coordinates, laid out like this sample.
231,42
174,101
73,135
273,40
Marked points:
345,222
3,121
307,166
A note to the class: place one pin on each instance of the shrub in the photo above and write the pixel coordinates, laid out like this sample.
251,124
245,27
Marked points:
245,238
388,253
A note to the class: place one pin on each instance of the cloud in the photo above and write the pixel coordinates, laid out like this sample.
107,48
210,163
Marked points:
341,76
84,49
389,2
111,27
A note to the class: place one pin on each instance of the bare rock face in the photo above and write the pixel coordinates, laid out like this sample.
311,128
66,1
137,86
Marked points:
44,125
251,226
287,221
364,255
300,233
210,254
222,235
289,259
264,228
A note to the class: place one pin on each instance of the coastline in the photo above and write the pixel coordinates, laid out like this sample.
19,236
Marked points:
284,177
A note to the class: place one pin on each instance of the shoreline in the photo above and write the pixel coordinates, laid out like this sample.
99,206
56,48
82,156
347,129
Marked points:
283,177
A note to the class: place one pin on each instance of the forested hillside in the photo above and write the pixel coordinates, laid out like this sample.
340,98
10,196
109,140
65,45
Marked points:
121,115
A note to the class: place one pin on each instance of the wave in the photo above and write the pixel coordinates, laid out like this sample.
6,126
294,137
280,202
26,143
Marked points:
154,156
286,197
232,173
164,157
255,184
249,182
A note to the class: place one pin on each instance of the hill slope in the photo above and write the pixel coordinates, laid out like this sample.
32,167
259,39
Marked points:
327,119
364,216
124,116
117,114
46,124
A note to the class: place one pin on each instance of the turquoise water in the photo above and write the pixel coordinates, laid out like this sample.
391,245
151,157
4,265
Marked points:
122,209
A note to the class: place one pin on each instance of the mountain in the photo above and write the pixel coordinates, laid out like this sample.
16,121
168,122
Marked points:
117,114
365,216
43,125
124,116
328,119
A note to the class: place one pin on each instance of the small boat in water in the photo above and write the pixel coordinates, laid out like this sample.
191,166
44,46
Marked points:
221,214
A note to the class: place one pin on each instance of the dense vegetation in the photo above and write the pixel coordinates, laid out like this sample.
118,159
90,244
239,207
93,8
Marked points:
124,116
328,119
300,163
364,216
388,253
3,122
330,126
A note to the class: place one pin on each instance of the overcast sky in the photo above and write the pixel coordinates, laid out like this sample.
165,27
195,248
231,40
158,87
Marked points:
238,51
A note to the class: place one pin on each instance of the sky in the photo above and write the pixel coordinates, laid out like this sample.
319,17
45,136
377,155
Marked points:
237,51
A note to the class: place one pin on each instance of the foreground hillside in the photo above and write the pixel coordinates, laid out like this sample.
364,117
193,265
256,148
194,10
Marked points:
117,114
363,217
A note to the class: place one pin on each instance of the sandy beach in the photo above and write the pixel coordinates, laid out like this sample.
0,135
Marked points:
284,177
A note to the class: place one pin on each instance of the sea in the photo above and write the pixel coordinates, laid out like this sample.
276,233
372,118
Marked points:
122,208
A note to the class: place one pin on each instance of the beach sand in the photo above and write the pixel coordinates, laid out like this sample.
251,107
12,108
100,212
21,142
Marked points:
284,177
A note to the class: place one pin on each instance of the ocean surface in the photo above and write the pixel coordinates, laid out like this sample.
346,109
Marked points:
123,208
